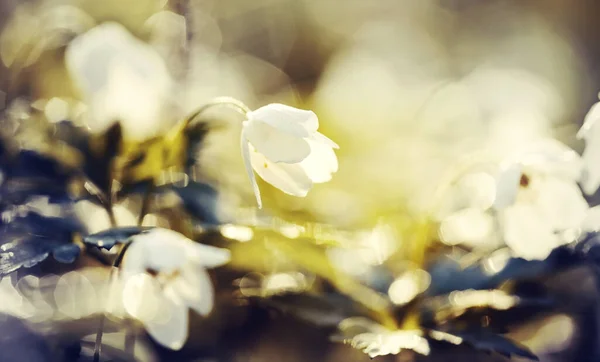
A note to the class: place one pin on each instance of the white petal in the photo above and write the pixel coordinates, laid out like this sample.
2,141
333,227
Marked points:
142,297
120,76
590,122
298,122
471,226
592,220
321,163
527,233
291,179
552,157
507,185
321,138
195,288
134,261
248,165
561,203
158,249
276,145
590,177
208,256
171,328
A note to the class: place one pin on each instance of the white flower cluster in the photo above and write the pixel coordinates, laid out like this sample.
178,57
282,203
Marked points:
535,201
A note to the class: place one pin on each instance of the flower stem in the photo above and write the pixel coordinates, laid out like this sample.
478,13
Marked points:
227,102
113,271
146,202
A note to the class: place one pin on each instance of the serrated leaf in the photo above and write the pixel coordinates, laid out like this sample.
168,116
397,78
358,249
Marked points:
448,275
29,174
98,151
27,241
474,304
200,200
106,239
485,340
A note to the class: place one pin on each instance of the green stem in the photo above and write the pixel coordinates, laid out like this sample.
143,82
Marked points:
227,102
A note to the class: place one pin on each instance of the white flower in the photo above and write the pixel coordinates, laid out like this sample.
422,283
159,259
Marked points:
121,78
376,340
537,200
164,273
590,132
282,145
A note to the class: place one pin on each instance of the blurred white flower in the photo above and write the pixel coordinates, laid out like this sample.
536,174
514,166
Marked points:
590,132
282,145
164,273
121,78
376,340
391,342
537,199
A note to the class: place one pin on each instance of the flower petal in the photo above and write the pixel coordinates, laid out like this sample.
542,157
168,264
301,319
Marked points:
276,145
590,122
142,296
507,185
592,220
561,203
159,249
590,177
321,163
291,179
208,256
171,328
552,157
195,288
470,226
120,76
321,138
248,165
527,233
298,122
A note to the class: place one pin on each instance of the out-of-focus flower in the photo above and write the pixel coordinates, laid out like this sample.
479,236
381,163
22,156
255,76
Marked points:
164,273
380,341
282,144
391,342
537,199
590,132
121,78
35,28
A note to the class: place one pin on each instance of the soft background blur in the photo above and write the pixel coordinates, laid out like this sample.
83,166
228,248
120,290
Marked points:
405,87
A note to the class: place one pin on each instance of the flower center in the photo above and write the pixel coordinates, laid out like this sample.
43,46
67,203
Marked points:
524,181
161,277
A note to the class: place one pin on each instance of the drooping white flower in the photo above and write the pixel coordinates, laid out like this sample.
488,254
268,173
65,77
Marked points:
120,78
590,132
164,274
537,200
282,144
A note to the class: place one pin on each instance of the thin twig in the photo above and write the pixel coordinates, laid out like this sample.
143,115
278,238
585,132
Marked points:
146,203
